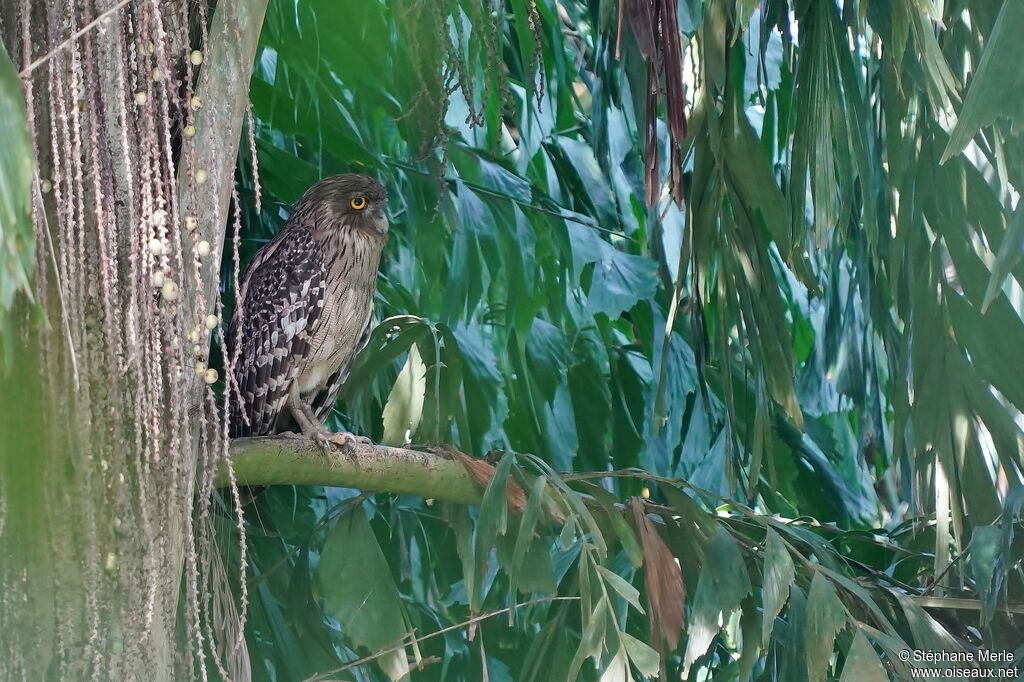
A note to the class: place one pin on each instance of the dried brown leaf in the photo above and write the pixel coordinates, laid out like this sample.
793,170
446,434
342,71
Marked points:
666,591
482,472
641,22
672,58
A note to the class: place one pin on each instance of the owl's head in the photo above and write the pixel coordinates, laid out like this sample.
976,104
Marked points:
350,201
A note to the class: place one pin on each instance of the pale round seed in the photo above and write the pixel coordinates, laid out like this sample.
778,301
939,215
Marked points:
169,290
203,249
196,57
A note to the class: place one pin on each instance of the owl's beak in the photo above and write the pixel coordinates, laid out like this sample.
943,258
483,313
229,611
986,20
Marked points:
379,217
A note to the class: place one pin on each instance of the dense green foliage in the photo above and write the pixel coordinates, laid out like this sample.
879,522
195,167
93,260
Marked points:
17,240
828,328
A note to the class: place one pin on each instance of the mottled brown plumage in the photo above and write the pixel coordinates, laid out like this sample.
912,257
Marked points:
305,310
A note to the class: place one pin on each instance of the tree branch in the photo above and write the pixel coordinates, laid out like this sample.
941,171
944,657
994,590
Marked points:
294,460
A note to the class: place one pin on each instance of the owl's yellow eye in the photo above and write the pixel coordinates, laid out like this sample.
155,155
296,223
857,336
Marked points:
358,203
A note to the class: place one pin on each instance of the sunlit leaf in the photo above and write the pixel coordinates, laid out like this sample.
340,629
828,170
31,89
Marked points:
997,88
1010,251
404,407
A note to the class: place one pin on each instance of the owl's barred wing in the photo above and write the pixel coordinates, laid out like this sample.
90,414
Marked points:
281,298
324,401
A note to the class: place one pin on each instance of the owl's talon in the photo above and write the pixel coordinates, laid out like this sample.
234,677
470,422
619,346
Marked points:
344,441
322,440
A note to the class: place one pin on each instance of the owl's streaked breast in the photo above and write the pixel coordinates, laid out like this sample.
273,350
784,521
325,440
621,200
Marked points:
348,304
336,338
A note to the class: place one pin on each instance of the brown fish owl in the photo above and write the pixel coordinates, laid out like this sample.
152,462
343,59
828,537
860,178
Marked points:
305,310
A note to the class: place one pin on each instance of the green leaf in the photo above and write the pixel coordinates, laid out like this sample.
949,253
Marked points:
525,541
986,546
592,179
493,518
940,79
623,529
404,408
791,641
992,340
778,576
862,663
689,510
536,572
462,526
17,238
929,634
645,658
486,403
617,669
535,505
723,584
750,630
753,178
997,88
620,280
383,348
593,638
548,356
486,174
474,214
1010,250
826,616
361,594
622,586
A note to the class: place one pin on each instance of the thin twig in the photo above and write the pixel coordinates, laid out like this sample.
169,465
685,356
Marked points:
74,36
458,626
60,287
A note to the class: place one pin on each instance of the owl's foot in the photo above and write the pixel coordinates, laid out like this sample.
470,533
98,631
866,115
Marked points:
344,441
331,442
311,428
